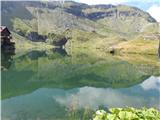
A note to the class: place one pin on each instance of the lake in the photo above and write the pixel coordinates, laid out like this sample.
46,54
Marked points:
61,85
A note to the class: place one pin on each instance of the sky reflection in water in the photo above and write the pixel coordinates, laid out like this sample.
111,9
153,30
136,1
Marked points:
49,102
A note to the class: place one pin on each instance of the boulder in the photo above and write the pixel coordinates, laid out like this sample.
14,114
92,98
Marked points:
35,37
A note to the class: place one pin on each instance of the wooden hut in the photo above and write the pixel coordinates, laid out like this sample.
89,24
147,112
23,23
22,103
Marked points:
6,39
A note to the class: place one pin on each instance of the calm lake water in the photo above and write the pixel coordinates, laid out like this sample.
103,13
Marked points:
56,85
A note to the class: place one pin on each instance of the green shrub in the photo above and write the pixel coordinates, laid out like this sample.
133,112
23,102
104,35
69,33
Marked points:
51,35
56,39
127,114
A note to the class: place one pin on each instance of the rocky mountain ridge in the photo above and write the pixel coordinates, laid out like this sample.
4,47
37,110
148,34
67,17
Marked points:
72,15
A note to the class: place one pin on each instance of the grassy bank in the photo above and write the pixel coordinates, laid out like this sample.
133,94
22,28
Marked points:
92,41
138,46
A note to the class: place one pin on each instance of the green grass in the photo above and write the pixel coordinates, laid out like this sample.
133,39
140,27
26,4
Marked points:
139,46
21,25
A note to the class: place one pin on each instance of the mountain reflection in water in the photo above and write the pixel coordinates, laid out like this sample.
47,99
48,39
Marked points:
54,85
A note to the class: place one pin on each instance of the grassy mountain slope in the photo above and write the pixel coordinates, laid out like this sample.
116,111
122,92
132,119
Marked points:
70,15
98,26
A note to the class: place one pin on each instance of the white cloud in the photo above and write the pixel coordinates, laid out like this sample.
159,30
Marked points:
151,83
95,97
154,12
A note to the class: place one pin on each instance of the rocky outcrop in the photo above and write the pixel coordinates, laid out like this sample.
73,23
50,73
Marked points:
35,37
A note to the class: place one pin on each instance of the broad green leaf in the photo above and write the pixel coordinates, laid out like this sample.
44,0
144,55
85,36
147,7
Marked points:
128,114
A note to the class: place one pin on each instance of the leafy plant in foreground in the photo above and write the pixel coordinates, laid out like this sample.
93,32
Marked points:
127,114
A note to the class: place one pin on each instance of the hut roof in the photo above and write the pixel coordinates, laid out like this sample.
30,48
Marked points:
4,29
